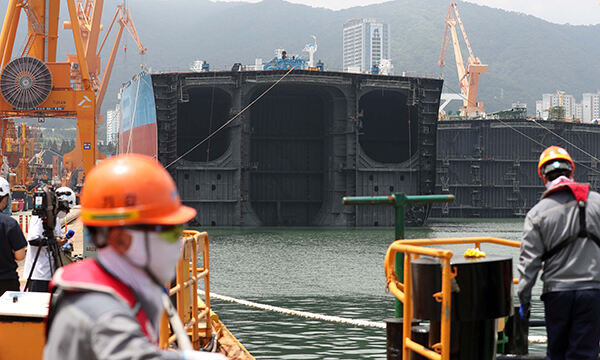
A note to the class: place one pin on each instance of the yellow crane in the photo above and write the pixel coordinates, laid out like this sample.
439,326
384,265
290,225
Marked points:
468,78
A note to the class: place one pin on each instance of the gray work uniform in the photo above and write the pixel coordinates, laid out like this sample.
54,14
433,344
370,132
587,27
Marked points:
552,220
94,325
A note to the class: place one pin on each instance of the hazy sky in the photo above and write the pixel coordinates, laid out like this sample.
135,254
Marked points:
576,12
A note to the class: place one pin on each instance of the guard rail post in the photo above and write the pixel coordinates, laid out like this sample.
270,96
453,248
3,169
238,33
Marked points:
399,201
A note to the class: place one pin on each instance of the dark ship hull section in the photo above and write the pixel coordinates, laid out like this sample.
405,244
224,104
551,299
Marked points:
291,157
491,165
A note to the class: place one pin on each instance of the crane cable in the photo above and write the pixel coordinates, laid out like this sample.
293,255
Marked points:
230,120
210,117
567,141
538,142
137,92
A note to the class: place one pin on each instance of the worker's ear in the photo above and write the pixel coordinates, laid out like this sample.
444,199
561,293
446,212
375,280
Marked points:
120,240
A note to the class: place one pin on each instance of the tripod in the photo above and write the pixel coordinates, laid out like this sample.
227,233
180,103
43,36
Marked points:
52,250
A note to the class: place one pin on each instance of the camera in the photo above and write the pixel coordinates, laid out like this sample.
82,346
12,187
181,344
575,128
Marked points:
44,200
46,206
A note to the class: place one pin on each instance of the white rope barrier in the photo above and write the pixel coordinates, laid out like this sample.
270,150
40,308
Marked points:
304,314
538,339
533,339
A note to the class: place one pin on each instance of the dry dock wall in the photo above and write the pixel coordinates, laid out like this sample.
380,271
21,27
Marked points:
491,165
290,157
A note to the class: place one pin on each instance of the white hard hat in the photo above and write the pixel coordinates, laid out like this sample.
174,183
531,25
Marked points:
65,193
4,187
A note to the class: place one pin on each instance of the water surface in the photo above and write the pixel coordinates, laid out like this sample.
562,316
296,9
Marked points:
332,271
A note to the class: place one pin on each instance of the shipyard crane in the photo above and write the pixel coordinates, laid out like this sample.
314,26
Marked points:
90,13
468,78
35,85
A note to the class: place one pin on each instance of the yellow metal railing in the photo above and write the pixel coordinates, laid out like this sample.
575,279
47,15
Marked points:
403,291
193,311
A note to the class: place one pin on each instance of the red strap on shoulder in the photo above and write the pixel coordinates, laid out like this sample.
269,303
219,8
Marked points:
580,191
88,275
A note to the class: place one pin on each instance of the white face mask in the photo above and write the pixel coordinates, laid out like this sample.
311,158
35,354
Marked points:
61,215
553,183
159,258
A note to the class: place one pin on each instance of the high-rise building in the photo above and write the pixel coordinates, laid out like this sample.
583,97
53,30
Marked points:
113,121
568,103
365,43
579,112
590,107
560,98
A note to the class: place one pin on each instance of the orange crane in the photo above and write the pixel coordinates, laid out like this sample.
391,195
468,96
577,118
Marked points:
90,14
35,85
20,143
468,78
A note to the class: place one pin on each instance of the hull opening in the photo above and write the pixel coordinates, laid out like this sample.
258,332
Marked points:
206,110
287,149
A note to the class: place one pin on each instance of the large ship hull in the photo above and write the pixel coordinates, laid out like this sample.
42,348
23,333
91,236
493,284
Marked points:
138,132
293,151
491,165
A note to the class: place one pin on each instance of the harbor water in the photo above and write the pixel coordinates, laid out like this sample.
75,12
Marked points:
337,272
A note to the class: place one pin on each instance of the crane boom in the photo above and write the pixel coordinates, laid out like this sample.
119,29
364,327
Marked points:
125,22
468,78
91,13
38,86
44,91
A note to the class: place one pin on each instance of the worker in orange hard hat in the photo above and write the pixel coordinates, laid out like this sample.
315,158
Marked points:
561,236
110,307
555,160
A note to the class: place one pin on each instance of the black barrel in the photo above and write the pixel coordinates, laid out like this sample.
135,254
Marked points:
394,329
481,293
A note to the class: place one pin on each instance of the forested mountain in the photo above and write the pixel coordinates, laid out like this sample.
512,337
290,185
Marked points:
527,56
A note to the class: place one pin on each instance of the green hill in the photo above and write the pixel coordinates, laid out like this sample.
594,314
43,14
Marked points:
527,56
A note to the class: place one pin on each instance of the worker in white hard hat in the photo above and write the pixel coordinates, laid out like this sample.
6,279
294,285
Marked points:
12,244
45,265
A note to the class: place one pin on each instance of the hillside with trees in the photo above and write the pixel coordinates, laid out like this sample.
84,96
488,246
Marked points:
527,56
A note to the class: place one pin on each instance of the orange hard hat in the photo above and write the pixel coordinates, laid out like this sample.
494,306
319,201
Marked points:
131,189
554,153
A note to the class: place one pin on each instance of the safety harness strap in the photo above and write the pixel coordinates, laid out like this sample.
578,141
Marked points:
571,239
581,192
